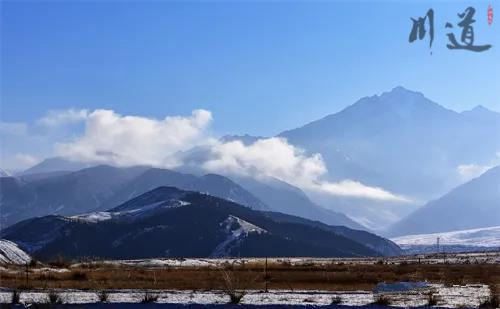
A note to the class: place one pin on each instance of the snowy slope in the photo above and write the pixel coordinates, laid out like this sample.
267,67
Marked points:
11,254
474,239
236,229
98,216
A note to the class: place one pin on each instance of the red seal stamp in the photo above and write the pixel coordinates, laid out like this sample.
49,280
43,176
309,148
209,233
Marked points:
490,15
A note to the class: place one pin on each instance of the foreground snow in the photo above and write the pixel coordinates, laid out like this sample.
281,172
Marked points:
474,239
11,254
456,296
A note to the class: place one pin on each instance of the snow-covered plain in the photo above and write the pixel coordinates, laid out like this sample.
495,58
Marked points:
463,240
446,296
456,296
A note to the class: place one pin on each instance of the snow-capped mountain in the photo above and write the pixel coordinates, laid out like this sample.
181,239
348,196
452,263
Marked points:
475,204
11,254
465,240
171,222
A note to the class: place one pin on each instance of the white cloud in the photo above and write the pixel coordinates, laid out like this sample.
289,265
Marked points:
265,157
351,188
274,157
469,171
63,117
132,140
13,128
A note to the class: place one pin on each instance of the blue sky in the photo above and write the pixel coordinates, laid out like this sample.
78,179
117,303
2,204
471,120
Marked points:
259,67
246,62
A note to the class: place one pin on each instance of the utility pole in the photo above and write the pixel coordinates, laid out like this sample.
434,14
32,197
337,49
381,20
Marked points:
27,275
265,276
437,243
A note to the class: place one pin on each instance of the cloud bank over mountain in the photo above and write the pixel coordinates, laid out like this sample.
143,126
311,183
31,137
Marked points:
275,157
125,140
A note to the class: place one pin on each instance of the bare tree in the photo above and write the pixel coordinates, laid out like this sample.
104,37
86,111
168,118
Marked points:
235,286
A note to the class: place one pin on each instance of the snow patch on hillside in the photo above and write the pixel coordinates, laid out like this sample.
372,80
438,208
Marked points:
99,216
244,226
236,229
94,217
11,254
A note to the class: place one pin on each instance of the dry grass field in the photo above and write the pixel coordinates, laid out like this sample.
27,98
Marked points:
336,276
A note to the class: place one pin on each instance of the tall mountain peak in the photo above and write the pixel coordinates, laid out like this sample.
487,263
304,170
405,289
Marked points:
400,96
400,90
400,102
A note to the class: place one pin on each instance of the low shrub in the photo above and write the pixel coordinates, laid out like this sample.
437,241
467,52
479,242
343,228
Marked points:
431,299
54,298
103,296
382,300
33,263
78,275
492,302
336,300
16,296
149,298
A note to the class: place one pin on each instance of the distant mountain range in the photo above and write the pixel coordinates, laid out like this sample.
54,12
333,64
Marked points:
285,198
57,164
399,141
475,204
103,187
168,222
66,193
215,185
